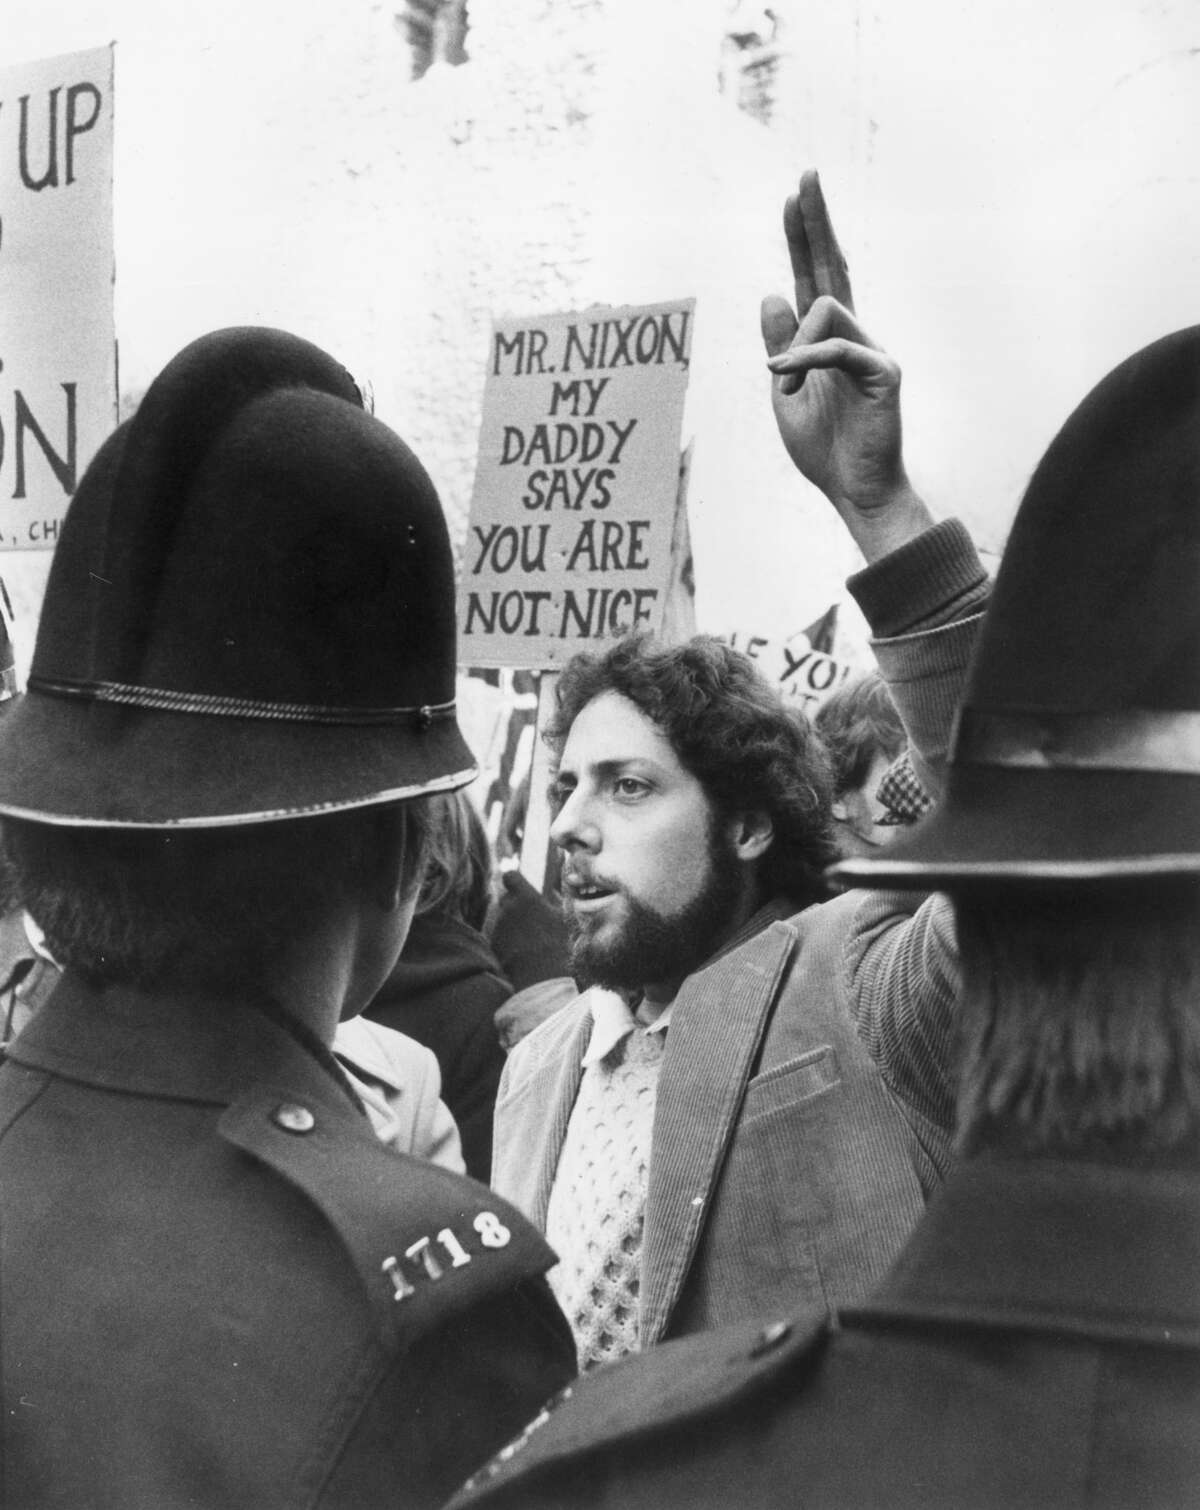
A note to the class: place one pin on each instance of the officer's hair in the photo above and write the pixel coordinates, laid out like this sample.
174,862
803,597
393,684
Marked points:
186,908
731,730
1080,1019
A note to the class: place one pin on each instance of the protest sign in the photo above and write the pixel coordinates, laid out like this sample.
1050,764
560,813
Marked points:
58,380
803,666
576,485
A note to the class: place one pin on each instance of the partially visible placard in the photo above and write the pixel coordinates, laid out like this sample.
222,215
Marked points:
576,484
58,376
804,674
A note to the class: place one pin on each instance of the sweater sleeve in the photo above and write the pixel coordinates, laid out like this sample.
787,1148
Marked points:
901,964
924,603
934,579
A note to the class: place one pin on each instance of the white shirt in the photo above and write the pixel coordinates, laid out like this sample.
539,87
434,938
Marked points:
612,1020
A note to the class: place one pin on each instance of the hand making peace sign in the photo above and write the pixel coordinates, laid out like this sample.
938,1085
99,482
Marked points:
835,393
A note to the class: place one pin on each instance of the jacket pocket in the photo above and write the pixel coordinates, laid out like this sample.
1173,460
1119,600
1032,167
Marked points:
800,1079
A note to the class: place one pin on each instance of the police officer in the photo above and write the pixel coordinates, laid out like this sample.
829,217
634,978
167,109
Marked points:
216,1286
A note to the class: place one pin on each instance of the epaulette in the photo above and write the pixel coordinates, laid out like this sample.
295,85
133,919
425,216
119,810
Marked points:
428,1244
669,1386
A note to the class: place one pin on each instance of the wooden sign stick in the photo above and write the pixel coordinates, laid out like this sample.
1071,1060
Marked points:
535,845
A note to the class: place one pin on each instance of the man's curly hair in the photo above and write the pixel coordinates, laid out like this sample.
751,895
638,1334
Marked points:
732,731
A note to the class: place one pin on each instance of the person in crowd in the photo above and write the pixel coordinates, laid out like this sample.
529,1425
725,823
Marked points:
218,1287
861,729
903,799
28,974
527,931
447,985
525,1009
526,925
1038,1341
743,1113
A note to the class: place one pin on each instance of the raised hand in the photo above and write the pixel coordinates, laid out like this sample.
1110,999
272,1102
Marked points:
835,393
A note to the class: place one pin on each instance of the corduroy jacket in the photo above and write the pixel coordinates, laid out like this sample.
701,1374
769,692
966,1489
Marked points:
784,1172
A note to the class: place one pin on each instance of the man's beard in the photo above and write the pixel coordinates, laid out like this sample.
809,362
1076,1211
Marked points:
650,946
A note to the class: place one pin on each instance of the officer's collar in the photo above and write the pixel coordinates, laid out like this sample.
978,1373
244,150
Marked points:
201,1047
1097,1250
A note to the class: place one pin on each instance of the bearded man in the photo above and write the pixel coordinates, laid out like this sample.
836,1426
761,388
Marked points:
1037,1342
742,1113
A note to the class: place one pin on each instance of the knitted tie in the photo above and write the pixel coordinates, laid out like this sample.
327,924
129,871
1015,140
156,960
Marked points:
598,1200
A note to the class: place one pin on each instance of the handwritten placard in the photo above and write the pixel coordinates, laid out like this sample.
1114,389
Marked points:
576,484
804,675
58,379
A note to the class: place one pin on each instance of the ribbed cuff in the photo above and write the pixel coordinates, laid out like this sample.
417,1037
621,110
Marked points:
928,582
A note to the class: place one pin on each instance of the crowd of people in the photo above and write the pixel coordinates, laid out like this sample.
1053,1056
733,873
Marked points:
832,1140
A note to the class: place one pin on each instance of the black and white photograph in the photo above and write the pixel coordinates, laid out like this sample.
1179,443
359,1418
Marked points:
599,755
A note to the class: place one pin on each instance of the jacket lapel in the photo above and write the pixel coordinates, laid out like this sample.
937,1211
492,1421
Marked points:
530,1128
554,1096
717,1025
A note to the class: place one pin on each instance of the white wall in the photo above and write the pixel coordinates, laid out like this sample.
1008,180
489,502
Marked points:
1015,182
1025,199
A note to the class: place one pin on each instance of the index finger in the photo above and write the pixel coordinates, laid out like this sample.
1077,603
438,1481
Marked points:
818,265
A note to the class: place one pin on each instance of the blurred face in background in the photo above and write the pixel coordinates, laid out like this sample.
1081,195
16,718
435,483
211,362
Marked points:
857,812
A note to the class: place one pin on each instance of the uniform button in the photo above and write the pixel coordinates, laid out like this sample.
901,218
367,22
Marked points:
293,1118
770,1337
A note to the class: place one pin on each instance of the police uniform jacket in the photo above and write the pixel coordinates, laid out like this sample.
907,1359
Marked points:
218,1288
1036,1345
